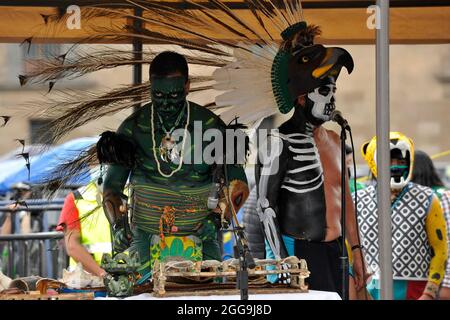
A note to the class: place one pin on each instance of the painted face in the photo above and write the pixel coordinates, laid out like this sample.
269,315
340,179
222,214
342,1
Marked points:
168,95
400,165
323,99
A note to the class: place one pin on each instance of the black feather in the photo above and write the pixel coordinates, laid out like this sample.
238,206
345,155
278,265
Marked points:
28,165
24,155
22,142
50,86
23,79
45,17
28,41
21,203
113,148
5,119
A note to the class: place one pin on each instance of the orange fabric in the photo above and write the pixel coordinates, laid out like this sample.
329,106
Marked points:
69,215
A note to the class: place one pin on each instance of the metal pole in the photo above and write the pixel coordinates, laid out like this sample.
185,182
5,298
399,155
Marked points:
26,271
11,259
137,49
42,257
383,152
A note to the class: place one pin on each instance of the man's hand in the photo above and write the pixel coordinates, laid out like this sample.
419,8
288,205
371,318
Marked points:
121,240
430,292
360,275
425,297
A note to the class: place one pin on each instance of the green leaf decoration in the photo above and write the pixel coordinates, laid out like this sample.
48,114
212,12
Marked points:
280,79
177,248
164,252
293,29
188,253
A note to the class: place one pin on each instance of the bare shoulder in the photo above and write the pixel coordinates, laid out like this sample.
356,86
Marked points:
331,136
327,135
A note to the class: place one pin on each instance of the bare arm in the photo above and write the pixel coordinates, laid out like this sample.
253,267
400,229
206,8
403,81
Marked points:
352,235
435,226
6,228
268,185
79,253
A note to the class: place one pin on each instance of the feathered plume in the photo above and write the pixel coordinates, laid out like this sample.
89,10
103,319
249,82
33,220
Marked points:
240,44
63,173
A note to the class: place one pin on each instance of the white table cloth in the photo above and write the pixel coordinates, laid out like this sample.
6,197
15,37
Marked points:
311,295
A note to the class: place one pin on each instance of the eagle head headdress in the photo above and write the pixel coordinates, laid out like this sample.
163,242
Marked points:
300,66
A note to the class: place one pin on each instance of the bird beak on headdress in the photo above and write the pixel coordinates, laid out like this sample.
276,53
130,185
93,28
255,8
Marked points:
332,62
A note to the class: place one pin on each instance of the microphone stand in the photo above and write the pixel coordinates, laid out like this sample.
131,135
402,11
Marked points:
245,258
245,261
344,256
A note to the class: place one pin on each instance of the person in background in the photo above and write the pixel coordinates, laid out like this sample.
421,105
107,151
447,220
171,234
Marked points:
349,163
87,233
424,173
253,227
20,192
419,236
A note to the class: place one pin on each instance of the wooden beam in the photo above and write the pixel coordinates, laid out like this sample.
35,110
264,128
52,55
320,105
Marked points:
420,25
234,4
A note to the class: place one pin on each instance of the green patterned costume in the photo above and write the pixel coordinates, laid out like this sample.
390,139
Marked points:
169,215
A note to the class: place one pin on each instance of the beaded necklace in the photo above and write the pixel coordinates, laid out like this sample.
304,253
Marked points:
180,164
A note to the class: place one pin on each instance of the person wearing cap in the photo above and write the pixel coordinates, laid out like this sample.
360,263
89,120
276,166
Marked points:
20,192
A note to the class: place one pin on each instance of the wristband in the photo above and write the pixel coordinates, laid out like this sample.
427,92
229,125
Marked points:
431,290
357,246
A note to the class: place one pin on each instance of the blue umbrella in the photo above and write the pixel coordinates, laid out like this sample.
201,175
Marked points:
43,165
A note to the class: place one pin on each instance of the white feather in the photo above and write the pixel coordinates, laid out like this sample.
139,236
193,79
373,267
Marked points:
247,84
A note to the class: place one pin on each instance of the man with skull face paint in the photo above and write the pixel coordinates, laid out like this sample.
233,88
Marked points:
299,185
170,216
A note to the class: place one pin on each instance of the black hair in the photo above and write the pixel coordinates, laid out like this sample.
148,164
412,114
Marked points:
167,63
424,172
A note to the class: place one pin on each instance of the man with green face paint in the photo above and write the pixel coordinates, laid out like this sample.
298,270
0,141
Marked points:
169,216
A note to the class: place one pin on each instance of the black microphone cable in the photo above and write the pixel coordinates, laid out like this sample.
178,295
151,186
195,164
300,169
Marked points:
356,212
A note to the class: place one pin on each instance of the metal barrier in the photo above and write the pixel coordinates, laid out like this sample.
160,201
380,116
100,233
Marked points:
33,205
37,253
21,248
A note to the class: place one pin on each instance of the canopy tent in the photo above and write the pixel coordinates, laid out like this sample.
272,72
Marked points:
12,162
43,165
342,21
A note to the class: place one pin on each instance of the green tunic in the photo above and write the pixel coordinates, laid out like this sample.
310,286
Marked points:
186,191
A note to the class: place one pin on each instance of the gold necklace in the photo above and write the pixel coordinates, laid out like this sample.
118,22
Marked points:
182,147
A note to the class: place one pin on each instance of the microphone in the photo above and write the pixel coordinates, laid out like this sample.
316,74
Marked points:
337,117
213,198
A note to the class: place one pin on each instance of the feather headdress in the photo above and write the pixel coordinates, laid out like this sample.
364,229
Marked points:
251,65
